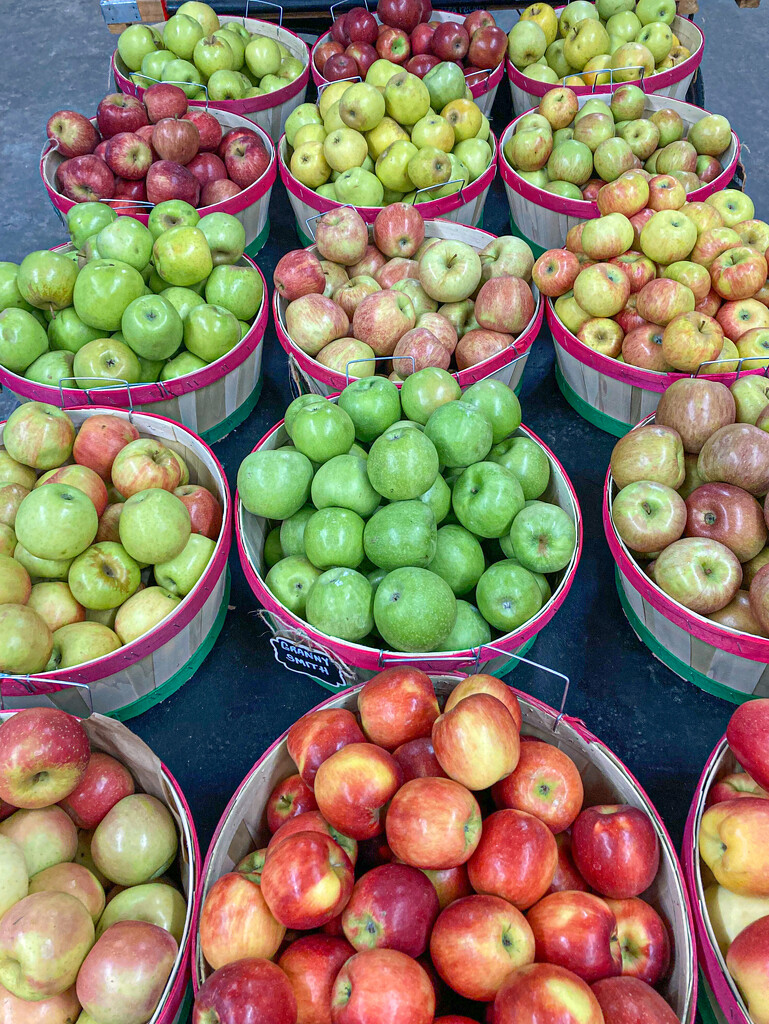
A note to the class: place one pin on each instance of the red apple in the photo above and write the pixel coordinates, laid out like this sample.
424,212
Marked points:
339,29
417,760
566,876
204,509
382,986
235,922
421,39
516,858
545,992
176,139
318,735
545,782
164,100
738,273
396,706
433,823
450,41
393,45
403,14
209,129
727,514
643,940
477,345
207,167
477,741
748,964
105,782
631,1001
421,64
696,409
313,821
354,785
481,682
324,51
120,112
642,346
487,47
218,192
298,273
476,942
391,907
135,190
246,159
72,133
372,260
748,737
85,179
231,136
44,755
735,786
251,991
311,964
578,931
340,67
81,477
555,271
290,797
478,19
360,25
306,880
616,850
363,54
451,884
169,180
399,230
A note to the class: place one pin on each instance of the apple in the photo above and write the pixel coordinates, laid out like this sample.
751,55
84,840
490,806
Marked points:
433,823
545,992
578,931
691,339
341,236
727,514
63,1007
736,785
46,835
739,317
254,987
730,913
54,603
105,782
307,880
524,879
145,464
382,986
721,844
290,797
476,742
44,755
393,906
648,515
298,273
402,464
744,732
135,841
235,922
733,206
616,849
738,273
99,440
396,706
626,999
352,786
643,940
545,783
742,463
312,963
74,879
417,760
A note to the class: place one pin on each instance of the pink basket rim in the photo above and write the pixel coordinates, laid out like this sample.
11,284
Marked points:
588,208
189,606
121,397
662,80
636,376
429,210
254,104
576,724
248,196
744,645
708,959
368,657
490,81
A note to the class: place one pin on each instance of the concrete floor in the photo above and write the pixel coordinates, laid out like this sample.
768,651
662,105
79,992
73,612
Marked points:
214,728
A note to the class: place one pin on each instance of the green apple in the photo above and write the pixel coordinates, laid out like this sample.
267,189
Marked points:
155,902
528,463
50,368
126,240
402,464
236,44
154,525
210,332
149,369
181,365
433,130
152,68
470,630
400,534
173,213
182,299
334,537
362,107
458,559
407,98
274,484
290,580
427,390
507,596
103,360
392,165
475,154
208,20
359,187
291,531
179,575
181,34
381,71
185,75
340,603
263,56
343,148
414,609
290,69
22,339
238,289
656,10
134,43
182,256
103,291
225,235
86,219
67,332
42,568
212,54
372,404
297,404
152,327
273,552
657,38
322,431
445,82
543,537
461,434
10,296
305,113
486,498
498,403
526,43
103,576
56,522
46,279
438,499
343,482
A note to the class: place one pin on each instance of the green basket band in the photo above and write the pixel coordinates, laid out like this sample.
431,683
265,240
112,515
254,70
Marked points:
704,1008
222,429
599,419
253,247
675,664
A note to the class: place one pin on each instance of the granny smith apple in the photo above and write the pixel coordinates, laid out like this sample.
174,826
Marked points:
127,240
498,403
154,525
297,404
180,573
56,522
340,603
402,463
262,56
426,390
291,532
274,484
50,368
486,498
273,551
181,34
46,279
290,580
458,559
182,256
149,370
182,299
180,365
185,75
414,609
438,498
210,332
226,237
103,360
445,82
68,332
470,630
543,537
334,537
152,68
359,451
342,482
238,289
152,327
10,296
173,213
22,339
42,568
134,43
103,291
526,460
507,596
372,404
461,434
542,582
359,187
322,431
86,219
305,113
401,533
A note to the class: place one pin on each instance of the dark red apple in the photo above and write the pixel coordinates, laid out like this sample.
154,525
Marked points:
312,963
421,64
566,877
249,991
85,179
360,25
450,41
176,139
169,180
339,67
145,134
209,129
218,191
339,31
106,781
230,136
120,112
128,156
127,189
417,760
402,14
319,734
363,54
246,160
631,1001
164,100
727,514
616,850
487,47
207,167
578,931
324,51
391,907
72,133
421,39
